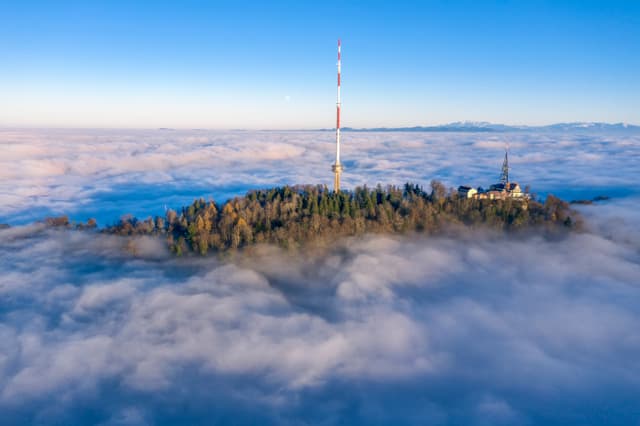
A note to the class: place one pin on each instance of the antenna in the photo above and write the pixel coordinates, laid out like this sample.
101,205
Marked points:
337,167
504,176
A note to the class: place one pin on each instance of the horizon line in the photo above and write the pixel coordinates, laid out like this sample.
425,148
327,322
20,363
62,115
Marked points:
459,124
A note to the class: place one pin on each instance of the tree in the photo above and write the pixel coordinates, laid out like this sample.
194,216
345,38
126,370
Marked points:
172,217
438,190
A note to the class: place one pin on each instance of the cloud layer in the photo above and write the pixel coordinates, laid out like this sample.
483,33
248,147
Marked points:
108,173
483,329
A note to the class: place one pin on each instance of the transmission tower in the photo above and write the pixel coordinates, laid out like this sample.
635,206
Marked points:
504,177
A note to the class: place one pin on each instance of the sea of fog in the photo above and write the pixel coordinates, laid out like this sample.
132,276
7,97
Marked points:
480,329
105,174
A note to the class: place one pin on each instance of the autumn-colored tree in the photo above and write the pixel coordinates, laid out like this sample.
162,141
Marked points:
290,216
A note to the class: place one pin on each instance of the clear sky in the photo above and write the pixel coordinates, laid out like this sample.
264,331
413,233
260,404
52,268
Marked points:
244,64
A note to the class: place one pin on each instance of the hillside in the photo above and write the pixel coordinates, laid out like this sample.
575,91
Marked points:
291,216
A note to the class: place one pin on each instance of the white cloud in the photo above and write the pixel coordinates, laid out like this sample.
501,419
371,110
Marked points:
477,329
107,173
481,329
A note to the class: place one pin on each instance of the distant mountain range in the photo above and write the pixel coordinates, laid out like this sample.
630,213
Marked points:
481,126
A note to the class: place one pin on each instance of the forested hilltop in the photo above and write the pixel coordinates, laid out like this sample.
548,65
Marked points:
292,215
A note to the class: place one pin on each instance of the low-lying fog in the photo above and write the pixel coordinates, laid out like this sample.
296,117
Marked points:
105,174
479,330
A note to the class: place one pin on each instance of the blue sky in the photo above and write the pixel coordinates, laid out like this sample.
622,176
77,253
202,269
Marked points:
257,65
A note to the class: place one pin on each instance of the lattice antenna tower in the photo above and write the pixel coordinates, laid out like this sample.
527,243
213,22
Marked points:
504,176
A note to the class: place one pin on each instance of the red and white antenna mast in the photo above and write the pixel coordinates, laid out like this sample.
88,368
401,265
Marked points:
337,167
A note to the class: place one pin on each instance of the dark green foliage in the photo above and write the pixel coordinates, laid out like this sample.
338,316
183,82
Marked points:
290,216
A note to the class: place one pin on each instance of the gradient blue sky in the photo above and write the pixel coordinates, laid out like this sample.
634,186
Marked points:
257,65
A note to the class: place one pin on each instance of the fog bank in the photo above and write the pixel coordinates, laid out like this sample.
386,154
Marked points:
479,330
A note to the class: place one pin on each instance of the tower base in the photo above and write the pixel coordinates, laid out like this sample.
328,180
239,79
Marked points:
337,171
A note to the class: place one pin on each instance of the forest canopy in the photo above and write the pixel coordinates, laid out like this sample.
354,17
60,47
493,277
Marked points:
290,216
